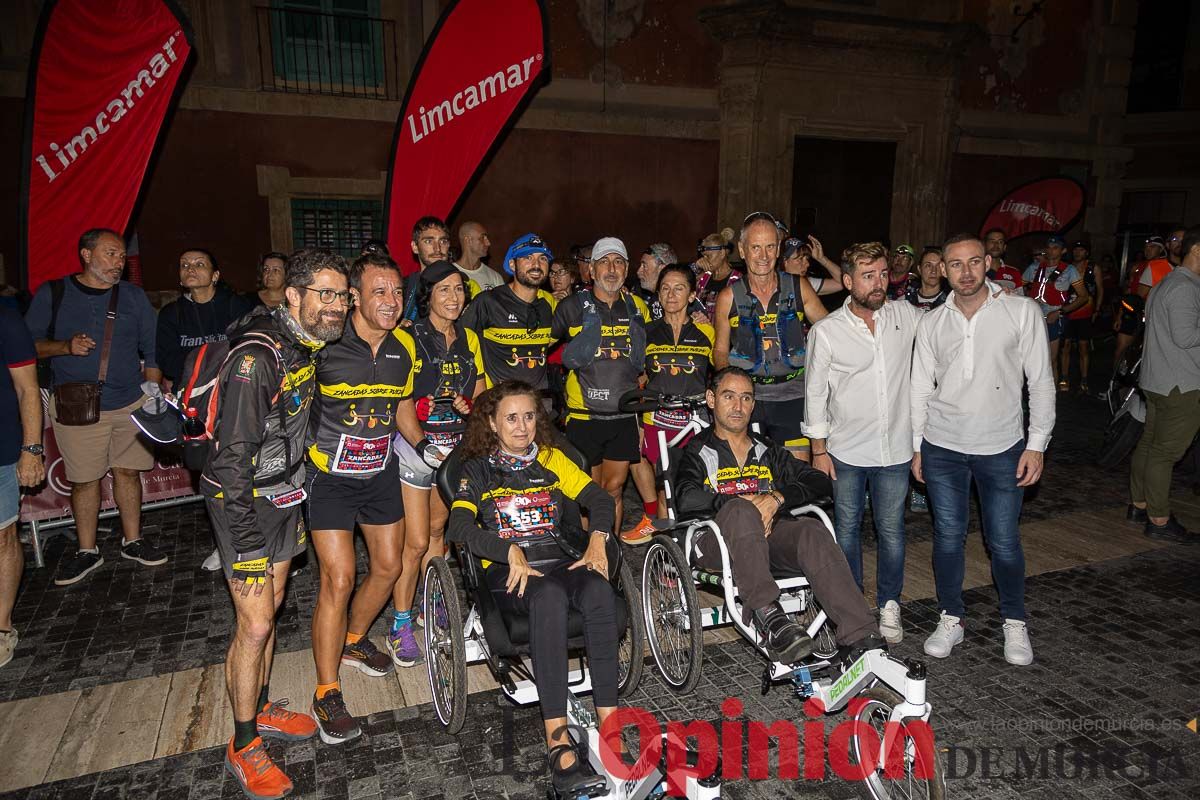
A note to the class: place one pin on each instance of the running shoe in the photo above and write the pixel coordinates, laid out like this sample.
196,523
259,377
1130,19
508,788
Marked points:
276,722
143,552
334,723
640,533
76,568
402,644
255,772
364,656
212,563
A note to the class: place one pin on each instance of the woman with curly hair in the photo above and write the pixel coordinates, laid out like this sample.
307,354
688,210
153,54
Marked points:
509,509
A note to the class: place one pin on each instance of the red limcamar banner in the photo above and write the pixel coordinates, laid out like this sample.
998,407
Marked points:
101,82
1047,205
481,65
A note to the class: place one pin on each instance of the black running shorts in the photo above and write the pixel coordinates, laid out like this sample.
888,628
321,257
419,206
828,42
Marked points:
337,502
283,529
612,438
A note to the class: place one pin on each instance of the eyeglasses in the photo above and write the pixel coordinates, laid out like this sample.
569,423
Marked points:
329,295
712,248
558,273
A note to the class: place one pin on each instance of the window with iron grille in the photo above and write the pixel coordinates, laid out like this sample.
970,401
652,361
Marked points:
339,225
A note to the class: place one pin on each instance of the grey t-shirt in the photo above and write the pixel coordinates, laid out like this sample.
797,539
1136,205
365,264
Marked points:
1171,356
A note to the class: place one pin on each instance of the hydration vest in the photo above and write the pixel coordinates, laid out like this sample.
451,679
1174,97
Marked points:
1046,291
754,346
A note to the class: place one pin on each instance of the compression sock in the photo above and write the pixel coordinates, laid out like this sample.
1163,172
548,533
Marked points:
401,618
244,733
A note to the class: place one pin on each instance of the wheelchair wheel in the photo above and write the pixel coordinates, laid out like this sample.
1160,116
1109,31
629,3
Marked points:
825,644
631,651
922,769
445,651
672,614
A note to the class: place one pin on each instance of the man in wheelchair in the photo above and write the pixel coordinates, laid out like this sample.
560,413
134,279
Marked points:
508,509
750,484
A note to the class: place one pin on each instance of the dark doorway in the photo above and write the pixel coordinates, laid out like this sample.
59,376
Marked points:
842,191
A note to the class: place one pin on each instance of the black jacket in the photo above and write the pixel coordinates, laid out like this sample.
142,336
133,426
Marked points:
258,443
184,325
708,476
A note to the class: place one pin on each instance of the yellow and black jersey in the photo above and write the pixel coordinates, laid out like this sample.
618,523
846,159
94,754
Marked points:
357,393
677,367
617,362
440,372
514,335
496,506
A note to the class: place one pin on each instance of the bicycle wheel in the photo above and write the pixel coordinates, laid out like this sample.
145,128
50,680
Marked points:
631,650
922,769
825,644
672,614
445,650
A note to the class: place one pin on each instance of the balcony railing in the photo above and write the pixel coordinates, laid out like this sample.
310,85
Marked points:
309,52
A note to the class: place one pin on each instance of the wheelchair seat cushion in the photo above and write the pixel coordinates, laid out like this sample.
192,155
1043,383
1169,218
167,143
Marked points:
517,625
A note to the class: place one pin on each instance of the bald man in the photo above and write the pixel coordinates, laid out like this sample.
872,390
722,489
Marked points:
474,243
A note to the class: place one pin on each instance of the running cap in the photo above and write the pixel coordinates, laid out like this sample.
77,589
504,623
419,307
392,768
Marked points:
608,246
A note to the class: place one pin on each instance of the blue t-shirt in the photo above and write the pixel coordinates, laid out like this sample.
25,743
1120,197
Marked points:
83,310
16,345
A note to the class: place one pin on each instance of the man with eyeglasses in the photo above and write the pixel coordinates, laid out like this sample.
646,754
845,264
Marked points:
605,356
364,395
759,324
253,486
972,357
513,321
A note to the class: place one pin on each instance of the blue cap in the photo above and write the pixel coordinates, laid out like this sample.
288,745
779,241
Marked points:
526,245
1056,241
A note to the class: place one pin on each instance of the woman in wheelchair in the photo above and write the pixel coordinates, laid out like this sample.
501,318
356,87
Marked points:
748,484
508,510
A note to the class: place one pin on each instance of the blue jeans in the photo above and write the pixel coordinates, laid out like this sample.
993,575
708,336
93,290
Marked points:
889,491
948,474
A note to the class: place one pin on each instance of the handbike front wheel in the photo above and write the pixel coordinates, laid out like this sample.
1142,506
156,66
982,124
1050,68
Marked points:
445,651
672,614
631,649
921,775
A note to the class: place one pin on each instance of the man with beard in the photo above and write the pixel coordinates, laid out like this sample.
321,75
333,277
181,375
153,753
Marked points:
759,327
70,332
430,244
474,241
364,394
1007,277
972,357
605,355
253,488
858,417
654,258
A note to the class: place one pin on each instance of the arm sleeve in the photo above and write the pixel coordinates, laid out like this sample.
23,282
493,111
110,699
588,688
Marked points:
800,483
692,499
170,356
816,385
921,386
146,330
245,404
1035,349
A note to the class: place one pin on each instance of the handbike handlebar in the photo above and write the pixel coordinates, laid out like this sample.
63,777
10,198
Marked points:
643,401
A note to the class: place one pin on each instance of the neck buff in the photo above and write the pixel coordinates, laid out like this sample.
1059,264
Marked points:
297,330
511,462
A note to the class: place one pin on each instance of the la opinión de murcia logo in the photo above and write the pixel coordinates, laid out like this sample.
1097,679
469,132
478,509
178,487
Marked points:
471,97
116,108
1030,210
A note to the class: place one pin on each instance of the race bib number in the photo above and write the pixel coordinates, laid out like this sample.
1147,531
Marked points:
671,418
521,515
447,441
288,499
746,485
358,456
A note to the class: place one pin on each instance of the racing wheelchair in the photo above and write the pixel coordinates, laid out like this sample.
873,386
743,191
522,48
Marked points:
501,640
882,692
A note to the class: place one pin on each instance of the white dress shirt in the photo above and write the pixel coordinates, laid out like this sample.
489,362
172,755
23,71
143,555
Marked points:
856,384
968,373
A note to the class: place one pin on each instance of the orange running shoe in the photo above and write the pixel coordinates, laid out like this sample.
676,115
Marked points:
276,722
255,772
640,533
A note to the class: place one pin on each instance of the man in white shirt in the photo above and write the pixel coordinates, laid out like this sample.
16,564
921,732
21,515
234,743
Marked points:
474,242
858,418
972,357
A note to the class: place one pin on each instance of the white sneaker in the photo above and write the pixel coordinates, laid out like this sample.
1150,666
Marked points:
8,645
889,623
212,563
949,632
1017,648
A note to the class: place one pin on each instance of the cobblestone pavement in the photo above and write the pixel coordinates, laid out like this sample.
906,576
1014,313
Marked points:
1105,703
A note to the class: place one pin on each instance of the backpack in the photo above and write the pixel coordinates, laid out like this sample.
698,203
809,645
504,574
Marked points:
202,391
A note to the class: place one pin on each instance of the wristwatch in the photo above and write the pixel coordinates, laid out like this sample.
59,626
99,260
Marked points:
34,449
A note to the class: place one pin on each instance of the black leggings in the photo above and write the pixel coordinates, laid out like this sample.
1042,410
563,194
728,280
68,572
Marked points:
546,601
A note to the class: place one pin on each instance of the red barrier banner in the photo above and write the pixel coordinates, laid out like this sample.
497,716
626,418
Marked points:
168,479
481,65
1047,205
102,79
